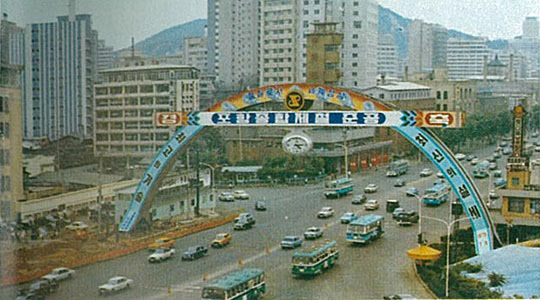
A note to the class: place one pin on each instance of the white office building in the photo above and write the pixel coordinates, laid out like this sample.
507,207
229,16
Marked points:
465,57
387,61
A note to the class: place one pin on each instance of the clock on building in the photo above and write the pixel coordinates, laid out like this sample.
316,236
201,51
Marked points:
297,143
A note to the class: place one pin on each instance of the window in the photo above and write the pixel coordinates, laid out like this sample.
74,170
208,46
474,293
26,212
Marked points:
355,13
515,181
355,45
331,48
330,66
438,94
445,95
535,206
357,24
355,36
306,24
516,205
316,12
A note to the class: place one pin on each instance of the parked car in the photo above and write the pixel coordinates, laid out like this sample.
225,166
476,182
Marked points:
240,195
407,218
537,149
291,242
496,155
493,194
474,161
497,173
77,225
162,242
438,181
348,217
221,240
499,182
243,224
492,166
371,205
325,212
245,217
161,254
371,188
440,175
26,294
460,156
507,151
59,274
397,211
426,172
313,233
226,197
470,157
399,182
43,287
114,284
194,252
412,191
359,199
260,205
491,159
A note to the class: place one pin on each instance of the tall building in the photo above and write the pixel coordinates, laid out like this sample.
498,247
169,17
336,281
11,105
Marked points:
531,28
465,57
105,56
233,43
427,46
196,53
323,54
59,74
128,98
11,171
387,61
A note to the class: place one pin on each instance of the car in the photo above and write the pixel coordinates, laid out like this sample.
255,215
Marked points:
371,205
407,218
497,173
325,212
475,161
162,242
43,287
243,224
397,211
499,182
59,274
260,205
537,143
194,252
77,225
371,188
313,233
412,191
399,297
240,195
114,284
537,149
460,156
440,175
161,254
426,172
245,218
359,199
493,195
348,217
26,294
221,240
496,155
399,183
492,166
536,162
534,134
507,151
491,159
226,197
470,157
503,144
438,181
291,242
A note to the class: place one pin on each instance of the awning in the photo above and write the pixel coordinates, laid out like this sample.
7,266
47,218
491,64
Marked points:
424,253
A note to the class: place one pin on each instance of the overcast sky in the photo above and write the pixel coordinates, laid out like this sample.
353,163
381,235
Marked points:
118,20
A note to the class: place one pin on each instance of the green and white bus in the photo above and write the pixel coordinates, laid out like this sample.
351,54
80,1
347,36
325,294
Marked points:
245,284
316,260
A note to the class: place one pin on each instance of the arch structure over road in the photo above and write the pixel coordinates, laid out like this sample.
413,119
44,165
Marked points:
424,140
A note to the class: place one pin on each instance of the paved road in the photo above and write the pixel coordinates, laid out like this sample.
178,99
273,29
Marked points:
362,272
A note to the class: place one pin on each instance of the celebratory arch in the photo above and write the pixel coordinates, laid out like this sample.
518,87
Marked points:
297,97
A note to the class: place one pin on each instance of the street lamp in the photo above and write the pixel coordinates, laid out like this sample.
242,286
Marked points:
346,149
449,227
420,240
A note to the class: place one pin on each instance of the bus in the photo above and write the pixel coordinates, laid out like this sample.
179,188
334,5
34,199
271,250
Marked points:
398,168
338,188
245,284
365,229
481,170
437,194
315,260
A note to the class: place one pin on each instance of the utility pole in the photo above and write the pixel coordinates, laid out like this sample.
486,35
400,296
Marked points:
100,195
197,185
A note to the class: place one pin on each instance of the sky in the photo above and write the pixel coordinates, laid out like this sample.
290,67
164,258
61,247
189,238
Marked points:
118,20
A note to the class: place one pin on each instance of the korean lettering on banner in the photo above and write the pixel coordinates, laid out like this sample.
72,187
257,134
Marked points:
437,155
421,139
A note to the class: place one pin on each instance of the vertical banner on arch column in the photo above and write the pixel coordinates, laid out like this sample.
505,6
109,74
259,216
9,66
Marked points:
462,187
166,153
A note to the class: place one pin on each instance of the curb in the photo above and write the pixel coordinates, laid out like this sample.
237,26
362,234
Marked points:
424,285
119,252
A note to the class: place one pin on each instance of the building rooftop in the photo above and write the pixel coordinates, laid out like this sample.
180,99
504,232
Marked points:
245,169
401,86
147,67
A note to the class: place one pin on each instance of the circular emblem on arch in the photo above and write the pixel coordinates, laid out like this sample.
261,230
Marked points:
294,101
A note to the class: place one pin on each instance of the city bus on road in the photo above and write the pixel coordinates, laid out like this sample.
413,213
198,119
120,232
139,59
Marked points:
315,260
245,284
365,229
398,168
338,188
437,194
481,170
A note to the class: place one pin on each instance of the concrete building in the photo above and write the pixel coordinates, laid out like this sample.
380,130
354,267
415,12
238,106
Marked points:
233,43
196,53
427,46
531,28
105,56
11,171
59,75
387,61
323,54
128,98
465,58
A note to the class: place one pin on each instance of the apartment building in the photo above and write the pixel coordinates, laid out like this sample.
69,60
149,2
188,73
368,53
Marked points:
465,57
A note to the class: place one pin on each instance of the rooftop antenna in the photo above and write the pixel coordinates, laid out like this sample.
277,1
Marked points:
132,47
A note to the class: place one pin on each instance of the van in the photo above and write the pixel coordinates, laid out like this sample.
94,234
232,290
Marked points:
245,218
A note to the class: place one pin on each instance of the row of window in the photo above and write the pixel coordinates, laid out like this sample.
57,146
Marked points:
4,104
164,136
4,130
517,205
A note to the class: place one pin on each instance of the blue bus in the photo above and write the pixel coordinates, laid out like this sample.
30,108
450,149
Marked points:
437,194
338,188
365,229
316,260
245,284
398,168
481,170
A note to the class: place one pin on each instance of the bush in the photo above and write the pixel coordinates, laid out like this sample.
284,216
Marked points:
496,279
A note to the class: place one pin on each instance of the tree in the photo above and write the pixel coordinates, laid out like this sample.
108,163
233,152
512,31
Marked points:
496,279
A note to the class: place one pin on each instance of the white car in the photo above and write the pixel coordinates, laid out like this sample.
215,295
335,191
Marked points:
440,175
240,195
161,254
460,156
426,172
371,188
493,194
59,274
371,205
325,212
77,225
474,161
114,284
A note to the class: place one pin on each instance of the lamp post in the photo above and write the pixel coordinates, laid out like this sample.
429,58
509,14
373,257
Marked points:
420,239
449,227
346,149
